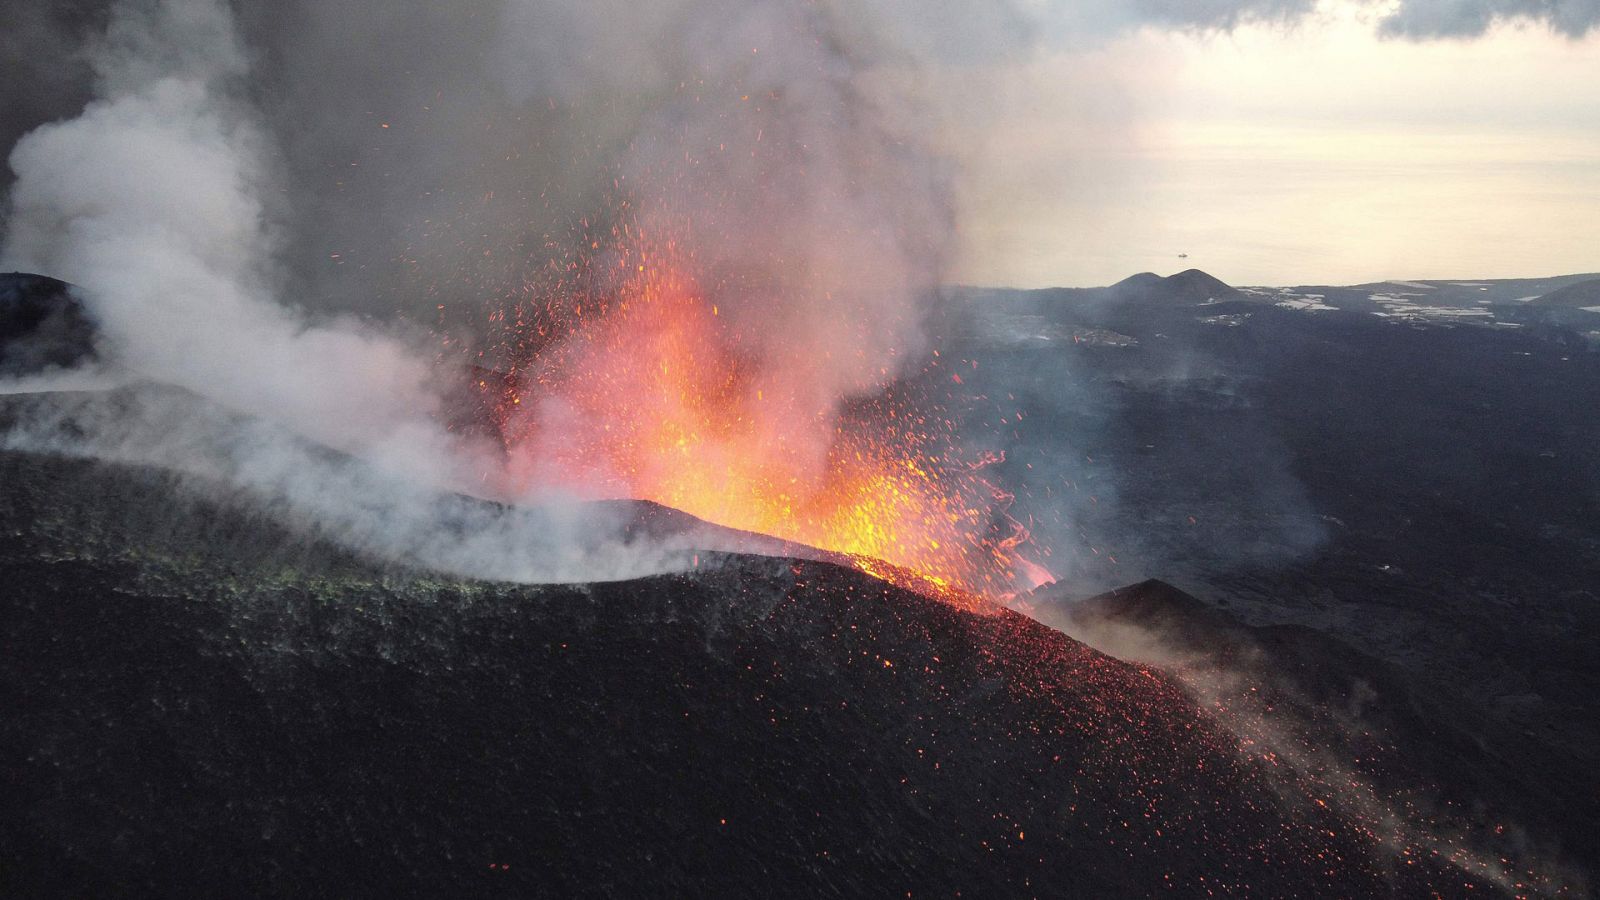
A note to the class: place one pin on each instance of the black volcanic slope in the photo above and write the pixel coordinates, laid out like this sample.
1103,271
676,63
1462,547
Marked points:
40,325
229,709
1401,730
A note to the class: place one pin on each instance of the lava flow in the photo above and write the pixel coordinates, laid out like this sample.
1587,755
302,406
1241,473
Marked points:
646,389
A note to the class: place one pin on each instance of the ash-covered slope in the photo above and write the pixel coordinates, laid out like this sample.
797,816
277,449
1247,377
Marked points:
236,710
1406,734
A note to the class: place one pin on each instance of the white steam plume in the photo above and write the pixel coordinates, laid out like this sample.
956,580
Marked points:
179,201
151,202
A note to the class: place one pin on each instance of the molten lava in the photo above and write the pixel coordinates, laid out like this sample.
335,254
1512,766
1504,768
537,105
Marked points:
647,390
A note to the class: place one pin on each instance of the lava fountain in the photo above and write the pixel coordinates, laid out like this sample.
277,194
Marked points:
645,389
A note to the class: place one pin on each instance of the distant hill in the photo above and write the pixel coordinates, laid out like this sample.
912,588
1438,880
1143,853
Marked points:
1573,296
1188,286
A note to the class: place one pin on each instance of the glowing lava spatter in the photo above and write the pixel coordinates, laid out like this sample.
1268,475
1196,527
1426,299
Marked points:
647,390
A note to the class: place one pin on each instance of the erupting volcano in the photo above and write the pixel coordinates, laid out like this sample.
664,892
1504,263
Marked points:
627,379
558,448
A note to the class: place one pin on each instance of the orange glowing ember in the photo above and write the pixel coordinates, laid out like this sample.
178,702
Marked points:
652,393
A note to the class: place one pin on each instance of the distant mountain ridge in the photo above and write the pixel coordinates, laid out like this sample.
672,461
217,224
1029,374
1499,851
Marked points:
1582,295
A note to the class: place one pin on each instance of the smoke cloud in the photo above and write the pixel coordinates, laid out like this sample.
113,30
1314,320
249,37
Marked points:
240,189
152,202
41,54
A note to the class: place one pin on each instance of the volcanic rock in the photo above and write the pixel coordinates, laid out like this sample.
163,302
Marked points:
226,708
1297,687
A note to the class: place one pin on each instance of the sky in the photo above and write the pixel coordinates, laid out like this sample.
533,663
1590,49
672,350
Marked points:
1266,141
1317,152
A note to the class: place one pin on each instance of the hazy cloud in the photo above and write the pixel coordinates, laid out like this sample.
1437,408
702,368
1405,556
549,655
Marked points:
1419,19
1470,18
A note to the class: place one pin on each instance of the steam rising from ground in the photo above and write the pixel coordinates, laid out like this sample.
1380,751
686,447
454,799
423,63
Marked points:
761,134
375,512
153,201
